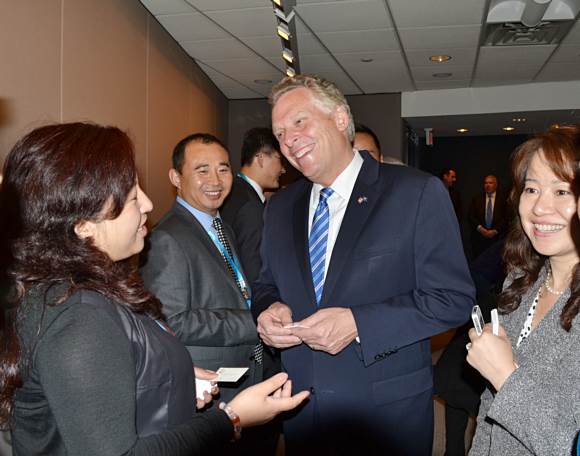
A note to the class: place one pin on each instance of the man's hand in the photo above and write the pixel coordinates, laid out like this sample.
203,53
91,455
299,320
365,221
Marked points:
487,233
330,329
271,324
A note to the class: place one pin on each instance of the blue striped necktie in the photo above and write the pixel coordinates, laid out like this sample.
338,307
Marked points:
489,212
317,242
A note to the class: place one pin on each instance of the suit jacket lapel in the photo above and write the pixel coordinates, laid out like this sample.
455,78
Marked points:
361,204
250,189
199,232
300,228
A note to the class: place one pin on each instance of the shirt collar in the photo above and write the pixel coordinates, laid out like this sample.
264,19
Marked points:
344,183
254,185
203,218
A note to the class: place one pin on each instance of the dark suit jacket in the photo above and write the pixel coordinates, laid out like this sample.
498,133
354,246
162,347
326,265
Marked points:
477,212
243,210
399,266
201,300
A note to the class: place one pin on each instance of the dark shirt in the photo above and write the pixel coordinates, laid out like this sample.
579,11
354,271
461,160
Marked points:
94,389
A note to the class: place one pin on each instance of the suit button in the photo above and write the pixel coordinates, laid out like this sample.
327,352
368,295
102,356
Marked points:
311,390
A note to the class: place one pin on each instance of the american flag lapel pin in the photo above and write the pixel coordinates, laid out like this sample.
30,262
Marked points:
362,199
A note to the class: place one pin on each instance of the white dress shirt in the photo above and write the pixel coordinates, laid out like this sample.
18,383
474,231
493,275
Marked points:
255,186
337,202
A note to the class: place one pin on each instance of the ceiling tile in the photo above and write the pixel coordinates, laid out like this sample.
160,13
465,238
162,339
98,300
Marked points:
506,73
247,22
499,81
573,36
217,49
278,63
421,13
458,72
318,63
346,15
241,66
219,79
191,27
219,5
382,79
361,40
442,84
167,6
559,72
268,46
342,81
303,2
308,44
234,93
527,55
439,37
420,57
566,54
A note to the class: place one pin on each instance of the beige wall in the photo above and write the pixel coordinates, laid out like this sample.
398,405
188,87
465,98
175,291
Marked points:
106,61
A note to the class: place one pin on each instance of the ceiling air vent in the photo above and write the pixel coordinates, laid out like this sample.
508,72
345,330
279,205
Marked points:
529,22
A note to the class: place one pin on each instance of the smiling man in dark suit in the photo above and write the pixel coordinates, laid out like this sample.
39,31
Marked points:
185,264
362,263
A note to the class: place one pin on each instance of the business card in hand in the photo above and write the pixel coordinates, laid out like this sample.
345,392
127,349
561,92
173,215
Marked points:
230,374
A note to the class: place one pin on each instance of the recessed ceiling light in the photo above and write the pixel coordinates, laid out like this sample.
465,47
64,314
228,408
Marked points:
442,75
440,58
263,81
462,130
519,119
508,128
367,60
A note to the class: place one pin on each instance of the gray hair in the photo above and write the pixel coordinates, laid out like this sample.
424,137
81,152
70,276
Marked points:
325,92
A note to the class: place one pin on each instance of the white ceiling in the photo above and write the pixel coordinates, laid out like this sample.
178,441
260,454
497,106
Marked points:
235,43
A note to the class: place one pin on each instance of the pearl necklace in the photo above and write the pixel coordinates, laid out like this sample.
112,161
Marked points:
548,287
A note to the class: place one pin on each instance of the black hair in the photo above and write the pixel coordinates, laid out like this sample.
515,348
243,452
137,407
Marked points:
177,157
256,140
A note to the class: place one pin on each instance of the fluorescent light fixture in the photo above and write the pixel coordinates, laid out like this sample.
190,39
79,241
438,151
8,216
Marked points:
288,55
290,72
440,58
284,31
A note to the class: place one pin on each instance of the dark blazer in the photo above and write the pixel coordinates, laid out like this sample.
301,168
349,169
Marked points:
477,212
398,265
201,300
480,243
243,210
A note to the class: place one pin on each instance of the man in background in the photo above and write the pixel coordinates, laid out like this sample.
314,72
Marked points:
243,208
487,216
449,177
366,139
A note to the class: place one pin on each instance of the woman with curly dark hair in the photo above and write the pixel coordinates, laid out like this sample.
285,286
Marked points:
532,406
88,365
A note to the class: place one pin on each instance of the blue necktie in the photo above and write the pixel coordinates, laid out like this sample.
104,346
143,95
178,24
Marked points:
317,242
488,212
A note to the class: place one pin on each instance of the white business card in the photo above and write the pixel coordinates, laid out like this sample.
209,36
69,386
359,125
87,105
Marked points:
230,374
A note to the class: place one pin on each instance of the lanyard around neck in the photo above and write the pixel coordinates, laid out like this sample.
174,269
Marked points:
234,263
